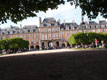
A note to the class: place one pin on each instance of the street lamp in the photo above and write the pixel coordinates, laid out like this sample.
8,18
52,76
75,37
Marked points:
83,26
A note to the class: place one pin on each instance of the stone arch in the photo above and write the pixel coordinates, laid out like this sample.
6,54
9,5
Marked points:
32,47
57,43
50,44
43,45
37,47
63,44
68,44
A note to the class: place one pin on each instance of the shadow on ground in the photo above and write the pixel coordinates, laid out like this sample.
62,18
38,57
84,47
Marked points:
83,65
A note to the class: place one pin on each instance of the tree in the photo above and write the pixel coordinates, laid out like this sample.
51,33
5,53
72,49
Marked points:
4,44
87,38
91,7
17,10
13,43
16,43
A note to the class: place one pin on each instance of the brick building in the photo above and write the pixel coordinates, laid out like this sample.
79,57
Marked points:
51,33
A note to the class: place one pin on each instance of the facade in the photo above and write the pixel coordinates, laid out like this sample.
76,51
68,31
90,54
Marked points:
51,33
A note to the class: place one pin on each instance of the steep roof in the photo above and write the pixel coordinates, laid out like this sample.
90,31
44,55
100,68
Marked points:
68,25
49,20
103,22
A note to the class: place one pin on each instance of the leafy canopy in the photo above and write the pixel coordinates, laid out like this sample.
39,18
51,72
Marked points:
17,10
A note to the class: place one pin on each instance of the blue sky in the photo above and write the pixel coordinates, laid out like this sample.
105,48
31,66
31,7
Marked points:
64,12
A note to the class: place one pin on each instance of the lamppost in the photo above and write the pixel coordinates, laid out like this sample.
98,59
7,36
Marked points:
83,26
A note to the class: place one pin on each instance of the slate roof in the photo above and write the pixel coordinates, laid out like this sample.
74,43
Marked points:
49,20
68,25
103,22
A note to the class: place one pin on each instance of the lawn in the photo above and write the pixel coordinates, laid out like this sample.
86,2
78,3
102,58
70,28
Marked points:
77,65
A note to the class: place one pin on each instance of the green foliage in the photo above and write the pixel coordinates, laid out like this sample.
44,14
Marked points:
17,10
4,44
91,8
72,40
13,43
87,38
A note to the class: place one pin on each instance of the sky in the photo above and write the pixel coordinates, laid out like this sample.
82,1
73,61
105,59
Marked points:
63,12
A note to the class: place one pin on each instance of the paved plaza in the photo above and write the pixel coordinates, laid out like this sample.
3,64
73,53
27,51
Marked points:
61,64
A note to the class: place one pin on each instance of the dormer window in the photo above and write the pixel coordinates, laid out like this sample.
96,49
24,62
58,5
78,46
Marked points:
45,24
8,32
28,31
52,24
18,32
13,32
34,30
3,33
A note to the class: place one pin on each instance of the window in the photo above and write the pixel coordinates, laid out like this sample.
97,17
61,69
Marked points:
26,36
88,30
98,30
45,29
28,31
62,32
37,38
34,30
49,36
72,32
67,32
8,32
3,33
31,41
16,35
54,35
0,38
56,29
49,29
31,36
53,29
45,24
103,30
52,24
102,26
11,36
93,30
42,36
21,36
45,36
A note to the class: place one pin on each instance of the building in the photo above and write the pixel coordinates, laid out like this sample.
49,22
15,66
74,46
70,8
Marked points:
51,33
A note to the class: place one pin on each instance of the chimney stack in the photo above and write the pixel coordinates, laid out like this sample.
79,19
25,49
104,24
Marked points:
73,21
40,21
98,20
59,20
20,26
64,22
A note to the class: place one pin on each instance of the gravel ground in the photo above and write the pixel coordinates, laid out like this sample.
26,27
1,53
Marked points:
64,65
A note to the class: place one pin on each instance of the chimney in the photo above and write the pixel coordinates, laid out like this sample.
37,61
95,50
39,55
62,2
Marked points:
40,21
88,21
10,26
97,20
59,20
64,22
82,19
73,21
20,26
